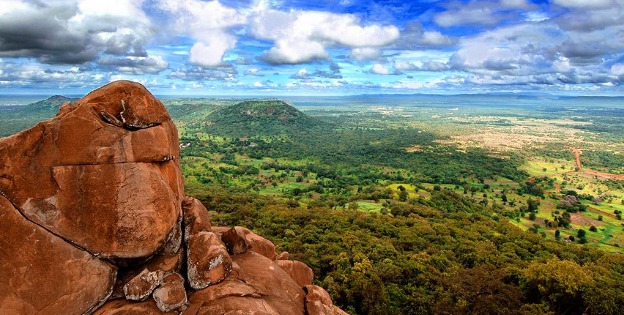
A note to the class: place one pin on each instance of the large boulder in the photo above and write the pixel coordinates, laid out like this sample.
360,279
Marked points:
40,273
298,271
195,217
254,241
171,296
142,285
255,281
235,240
318,301
208,261
113,189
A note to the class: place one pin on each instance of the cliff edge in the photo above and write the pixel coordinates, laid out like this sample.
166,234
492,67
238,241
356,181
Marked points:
95,221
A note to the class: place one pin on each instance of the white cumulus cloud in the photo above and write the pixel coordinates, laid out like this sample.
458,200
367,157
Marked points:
209,23
302,36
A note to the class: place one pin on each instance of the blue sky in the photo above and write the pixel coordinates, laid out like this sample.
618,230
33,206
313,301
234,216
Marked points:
325,47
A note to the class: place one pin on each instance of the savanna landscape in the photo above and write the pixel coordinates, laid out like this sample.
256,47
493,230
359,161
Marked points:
289,157
401,206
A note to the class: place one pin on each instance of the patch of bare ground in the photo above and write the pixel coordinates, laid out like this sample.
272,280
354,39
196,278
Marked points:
579,219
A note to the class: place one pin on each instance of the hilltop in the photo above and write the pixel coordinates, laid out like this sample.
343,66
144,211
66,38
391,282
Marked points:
52,103
260,117
21,117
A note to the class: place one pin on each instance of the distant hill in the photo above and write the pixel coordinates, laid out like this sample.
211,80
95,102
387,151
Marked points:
51,103
17,118
260,117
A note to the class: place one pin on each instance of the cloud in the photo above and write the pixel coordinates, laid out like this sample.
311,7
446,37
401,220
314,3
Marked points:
405,66
243,61
135,65
73,32
333,73
37,76
301,74
220,73
365,53
209,23
266,84
415,37
435,66
302,36
511,55
585,4
617,69
293,52
380,69
590,20
253,72
430,65
480,13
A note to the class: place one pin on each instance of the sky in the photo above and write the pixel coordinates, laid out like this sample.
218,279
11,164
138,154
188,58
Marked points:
313,47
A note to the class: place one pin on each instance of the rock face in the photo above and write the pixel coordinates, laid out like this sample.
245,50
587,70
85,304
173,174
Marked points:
113,189
42,274
298,271
95,221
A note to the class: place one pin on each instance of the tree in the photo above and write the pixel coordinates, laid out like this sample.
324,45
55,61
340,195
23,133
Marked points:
557,234
559,283
403,195
581,233
532,216
533,204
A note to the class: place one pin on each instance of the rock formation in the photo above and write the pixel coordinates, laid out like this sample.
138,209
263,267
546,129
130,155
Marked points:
95,221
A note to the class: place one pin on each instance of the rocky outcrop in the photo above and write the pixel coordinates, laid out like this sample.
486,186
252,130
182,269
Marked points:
113,190
298,271
95,221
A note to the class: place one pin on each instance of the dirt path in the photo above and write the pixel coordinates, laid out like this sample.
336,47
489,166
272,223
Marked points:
557,188
579,166
577,153
602,212
603,175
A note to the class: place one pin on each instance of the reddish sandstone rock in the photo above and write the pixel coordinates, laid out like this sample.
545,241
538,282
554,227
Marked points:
195,217
255,242
124,307
171,295
112,188
42,274
260,245
283,256
318,301
256,286
300,272
163,264
235,240
208,261
142,285
173,244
